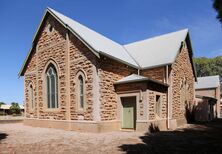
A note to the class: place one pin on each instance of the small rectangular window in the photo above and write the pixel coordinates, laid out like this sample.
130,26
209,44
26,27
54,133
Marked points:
158,105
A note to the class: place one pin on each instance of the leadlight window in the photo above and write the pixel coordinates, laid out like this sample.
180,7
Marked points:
52,87
81,91
31,96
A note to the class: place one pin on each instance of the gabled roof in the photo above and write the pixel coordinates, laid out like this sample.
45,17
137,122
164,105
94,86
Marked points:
153,52
98,42
95,41
207,82
137,78
157,51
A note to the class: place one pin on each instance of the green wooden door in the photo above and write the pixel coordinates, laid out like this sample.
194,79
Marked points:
128,113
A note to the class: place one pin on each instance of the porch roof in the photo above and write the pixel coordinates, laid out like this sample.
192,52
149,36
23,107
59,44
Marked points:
211,99
138,78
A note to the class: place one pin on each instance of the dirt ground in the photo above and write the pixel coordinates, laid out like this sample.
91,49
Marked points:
193,138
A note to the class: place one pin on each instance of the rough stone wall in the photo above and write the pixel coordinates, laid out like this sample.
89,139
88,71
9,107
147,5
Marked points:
152,100
218,109
46,39
81,59
155,73
206,92
181,69
109,72
31,67
53,47
30,78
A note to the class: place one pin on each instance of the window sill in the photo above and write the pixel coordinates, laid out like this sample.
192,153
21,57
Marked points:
51,109
80,111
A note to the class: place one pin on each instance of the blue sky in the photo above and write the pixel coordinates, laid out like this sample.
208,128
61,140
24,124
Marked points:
123,21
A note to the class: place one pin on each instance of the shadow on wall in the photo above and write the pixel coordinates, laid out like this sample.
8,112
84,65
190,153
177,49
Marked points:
201,111
190,113
200,138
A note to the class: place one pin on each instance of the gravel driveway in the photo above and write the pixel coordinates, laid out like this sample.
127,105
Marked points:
17,138
193,138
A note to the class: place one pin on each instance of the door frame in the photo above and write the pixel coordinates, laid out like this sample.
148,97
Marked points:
134,111
120,107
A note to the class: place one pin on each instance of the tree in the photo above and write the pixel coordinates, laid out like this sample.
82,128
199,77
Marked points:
202,66
2,103
217,4
14,108
208,66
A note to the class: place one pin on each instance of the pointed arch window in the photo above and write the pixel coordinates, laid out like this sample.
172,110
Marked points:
183,94
31,96
52,87
80,90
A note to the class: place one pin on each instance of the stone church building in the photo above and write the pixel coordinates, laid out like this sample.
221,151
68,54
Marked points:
77,79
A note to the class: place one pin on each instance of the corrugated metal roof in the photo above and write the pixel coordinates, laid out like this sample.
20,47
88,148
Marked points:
4,106
207,82
100,43
137,78
139,54
7,107
157,51
153,52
